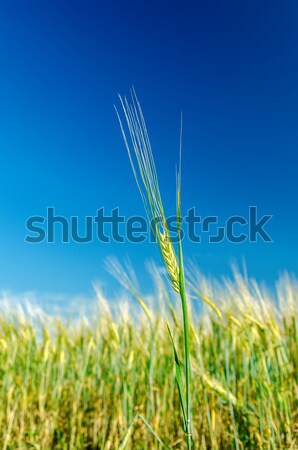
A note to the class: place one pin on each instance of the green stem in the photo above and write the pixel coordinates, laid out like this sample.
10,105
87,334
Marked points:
186,347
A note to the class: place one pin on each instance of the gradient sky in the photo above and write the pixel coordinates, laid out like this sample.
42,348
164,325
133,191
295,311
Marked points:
231,67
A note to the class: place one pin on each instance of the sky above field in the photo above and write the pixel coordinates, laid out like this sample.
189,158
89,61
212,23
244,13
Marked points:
231,67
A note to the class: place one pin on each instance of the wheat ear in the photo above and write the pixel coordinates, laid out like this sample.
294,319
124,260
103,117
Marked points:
169,256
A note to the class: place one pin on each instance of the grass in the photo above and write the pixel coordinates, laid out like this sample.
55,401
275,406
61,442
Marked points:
66,386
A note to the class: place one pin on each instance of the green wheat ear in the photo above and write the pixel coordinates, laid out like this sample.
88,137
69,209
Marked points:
170,260
144,171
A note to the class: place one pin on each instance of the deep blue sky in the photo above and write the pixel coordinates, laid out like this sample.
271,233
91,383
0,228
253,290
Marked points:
231,67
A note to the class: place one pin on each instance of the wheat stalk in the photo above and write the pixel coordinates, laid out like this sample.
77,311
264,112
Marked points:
141,158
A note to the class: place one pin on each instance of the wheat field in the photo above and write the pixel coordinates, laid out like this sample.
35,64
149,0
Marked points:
97,382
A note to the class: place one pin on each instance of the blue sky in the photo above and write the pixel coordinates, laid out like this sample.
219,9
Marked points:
231,67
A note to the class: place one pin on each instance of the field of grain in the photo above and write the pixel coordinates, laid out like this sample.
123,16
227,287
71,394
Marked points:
97,382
